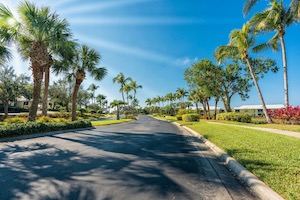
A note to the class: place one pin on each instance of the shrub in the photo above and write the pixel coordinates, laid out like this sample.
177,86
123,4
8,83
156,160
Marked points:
44,119
190,117
36,127
287,115
182,112
14,120
179,117
232,116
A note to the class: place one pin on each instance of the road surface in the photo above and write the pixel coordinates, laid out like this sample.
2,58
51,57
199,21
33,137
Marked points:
144,159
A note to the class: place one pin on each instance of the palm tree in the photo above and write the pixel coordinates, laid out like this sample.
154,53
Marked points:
148,102
127,89
241,41
100,99
134,86
85,61
93,88
37,32
181,93
277,17
120,78
117,103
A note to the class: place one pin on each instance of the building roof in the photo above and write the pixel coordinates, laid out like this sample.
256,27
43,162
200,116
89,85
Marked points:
273,106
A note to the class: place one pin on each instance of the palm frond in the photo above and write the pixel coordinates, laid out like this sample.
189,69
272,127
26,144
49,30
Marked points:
248,5
98,73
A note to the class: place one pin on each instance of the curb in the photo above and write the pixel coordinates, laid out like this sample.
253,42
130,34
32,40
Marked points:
259,188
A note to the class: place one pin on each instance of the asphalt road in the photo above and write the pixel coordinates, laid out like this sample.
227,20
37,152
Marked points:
144,159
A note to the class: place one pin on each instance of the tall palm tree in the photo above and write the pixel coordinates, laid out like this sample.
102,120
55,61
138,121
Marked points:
86,61
120,78
148,102
241,41
35,33
275,18
181,93
134,86
93,88
100,99
127,89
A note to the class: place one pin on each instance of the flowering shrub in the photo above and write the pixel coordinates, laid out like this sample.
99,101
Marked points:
289,115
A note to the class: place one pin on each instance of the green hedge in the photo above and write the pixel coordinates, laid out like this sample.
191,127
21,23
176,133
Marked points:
179,117
35,127
190,117
232,116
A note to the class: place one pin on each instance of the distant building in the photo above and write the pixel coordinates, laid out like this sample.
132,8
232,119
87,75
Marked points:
256,110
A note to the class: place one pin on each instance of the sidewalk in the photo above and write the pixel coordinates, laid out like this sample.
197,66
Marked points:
277,131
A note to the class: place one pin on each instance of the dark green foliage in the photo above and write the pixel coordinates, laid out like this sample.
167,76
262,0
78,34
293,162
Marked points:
237,117
34,127
190,118
179,117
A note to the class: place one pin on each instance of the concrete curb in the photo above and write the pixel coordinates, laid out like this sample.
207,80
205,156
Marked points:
259,188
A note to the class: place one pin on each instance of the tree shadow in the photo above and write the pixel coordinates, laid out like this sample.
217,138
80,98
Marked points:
141,163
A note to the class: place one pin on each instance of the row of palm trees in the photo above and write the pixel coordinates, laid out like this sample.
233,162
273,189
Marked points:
47,41
172,99
127,85
276,18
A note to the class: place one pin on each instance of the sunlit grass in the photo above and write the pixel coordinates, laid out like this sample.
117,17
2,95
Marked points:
109,122
286,127
273,158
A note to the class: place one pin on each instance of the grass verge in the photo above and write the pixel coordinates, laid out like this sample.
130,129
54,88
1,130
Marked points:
286,127
170,118
109,122
275,159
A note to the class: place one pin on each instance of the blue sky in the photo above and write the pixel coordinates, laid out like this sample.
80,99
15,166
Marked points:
154,41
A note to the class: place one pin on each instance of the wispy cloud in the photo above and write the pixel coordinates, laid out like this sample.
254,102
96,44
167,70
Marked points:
101,6
131,50
186,61
133,21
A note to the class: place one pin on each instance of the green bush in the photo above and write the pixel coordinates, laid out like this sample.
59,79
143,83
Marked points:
179,117
36,127
190,117
44,119
15,120
232,116
182,112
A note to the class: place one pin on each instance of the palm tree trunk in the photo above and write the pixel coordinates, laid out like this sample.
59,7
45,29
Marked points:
216,104
37,85
285,75
118,112
269,120
80,75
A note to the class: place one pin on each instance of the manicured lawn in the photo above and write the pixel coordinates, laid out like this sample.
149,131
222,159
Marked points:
109,122
275,159
170,118
286,127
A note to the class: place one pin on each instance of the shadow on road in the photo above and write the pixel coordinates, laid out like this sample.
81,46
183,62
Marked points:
142,162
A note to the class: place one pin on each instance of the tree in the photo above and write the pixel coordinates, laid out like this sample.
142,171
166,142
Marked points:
10,85
93,88
117,103
37,31
275,18
126,88
120,78
60,92
83,97
181,93
134,86
241,42
295,10
233,82
86,61
101,99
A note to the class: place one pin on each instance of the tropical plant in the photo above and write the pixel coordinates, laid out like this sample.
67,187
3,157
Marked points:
10,86
120,78
117,104
85,61
241,42
275,18
37,32
93,88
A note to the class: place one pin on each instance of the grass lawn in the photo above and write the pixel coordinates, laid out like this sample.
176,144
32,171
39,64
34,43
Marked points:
275,159
109,122
170,118
295,128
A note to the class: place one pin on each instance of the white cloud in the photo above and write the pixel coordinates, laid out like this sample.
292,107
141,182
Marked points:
185,61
